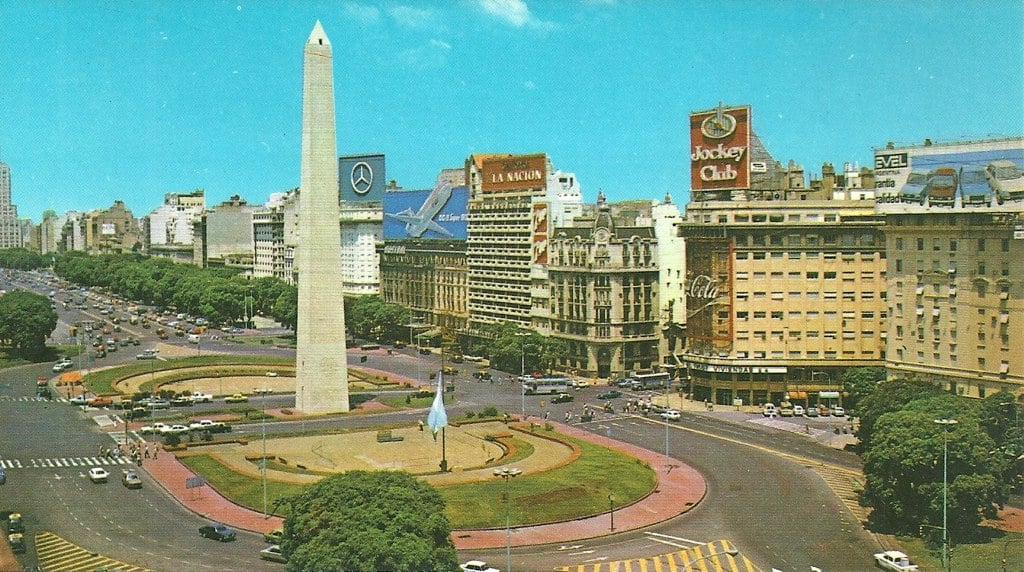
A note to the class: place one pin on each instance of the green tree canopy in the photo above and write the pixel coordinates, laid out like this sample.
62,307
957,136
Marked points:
368,521
26,320
888,397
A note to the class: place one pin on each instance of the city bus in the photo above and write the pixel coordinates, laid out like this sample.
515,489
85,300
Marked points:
546,385
652,380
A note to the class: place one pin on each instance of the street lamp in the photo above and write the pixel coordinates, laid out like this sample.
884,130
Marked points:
728,549
611,510
507,473
945,423
263,461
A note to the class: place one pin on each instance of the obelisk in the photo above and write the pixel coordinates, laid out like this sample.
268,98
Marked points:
321,367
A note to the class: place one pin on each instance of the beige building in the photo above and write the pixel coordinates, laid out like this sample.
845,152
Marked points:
275,230
603,281
956,296
113,230
430,277
782,295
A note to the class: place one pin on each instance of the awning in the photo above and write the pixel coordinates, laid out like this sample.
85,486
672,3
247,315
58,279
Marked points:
798,395
70,378
430,334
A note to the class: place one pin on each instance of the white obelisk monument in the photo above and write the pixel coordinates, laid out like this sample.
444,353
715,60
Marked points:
321,366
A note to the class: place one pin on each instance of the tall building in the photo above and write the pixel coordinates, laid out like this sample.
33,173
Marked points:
603,280
223,235
111,231
362,180
10,229
169,228
321,367
956,271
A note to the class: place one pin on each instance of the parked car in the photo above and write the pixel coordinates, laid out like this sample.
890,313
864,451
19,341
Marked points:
812,411
798,411
769,410
1006,180
476,566
98,475
974,187
838,411
561,398
824,410
610,394
671,415
274,536
15,523
236,398
273,553
62,365
17,542
131,480
217,531
894,560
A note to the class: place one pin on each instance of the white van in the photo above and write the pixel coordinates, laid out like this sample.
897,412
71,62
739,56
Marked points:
193,338
769,410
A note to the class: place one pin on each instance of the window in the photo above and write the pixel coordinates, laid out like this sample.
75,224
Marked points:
952,245
899,243
981,245
759,315
920,244
1005,246
899,265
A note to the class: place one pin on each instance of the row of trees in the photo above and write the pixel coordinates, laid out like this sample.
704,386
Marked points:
902,450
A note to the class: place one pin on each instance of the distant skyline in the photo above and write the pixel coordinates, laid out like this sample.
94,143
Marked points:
105,101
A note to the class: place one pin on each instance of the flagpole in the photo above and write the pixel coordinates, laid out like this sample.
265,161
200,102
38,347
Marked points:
444,459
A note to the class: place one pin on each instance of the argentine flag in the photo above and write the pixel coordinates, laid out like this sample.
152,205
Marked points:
438,418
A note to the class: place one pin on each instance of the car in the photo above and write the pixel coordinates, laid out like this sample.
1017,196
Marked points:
624,382
17,542
146,354
15,523
273,553
786,410
894,560
131,480
99,401
824,410
561,398
838,411
580,383
236,398
154,428
769,410
914,190
274,536
3,476
798,410
159,404
79,400
62,365
942,185
217,531
610,394
177,430
974,187
476,566
1006,180
671,415
98,475
811,411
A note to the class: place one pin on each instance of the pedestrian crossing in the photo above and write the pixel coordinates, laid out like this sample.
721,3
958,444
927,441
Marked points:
55,553
64,462
26,398
716,556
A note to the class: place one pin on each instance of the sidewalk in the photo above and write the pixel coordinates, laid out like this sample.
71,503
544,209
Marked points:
679,489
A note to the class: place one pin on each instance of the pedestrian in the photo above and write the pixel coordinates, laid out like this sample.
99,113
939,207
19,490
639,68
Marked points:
546,413
421,424
147,450
156,449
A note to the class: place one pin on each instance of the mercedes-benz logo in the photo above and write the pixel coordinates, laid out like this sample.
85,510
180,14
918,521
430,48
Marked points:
362,178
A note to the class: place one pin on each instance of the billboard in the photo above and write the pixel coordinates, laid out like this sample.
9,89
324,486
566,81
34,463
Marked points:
708,290
108,229
720,149
441,212
361,177
893,165
514,172
540,229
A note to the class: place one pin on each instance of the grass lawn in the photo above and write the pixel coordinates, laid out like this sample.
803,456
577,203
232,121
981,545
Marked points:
984,555
573,491
102,382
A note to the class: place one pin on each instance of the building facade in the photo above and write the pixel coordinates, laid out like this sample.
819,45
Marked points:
275,229
223,236
111,231
10,229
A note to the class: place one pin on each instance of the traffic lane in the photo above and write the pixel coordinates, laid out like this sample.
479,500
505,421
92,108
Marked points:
144,526
778,512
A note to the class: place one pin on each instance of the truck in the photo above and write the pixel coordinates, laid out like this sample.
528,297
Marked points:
894,560
200,397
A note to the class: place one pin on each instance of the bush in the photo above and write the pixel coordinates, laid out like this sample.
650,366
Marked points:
489,411
172,440
470,415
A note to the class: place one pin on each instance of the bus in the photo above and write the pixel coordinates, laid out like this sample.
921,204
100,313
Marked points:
546,385
652,380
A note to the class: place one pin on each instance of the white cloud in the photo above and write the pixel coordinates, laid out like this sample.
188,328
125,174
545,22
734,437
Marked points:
361,13
513,12
411,17
433,54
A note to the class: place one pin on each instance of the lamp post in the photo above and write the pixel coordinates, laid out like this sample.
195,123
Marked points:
728,549
828,379
507,473
611,510
945,423
1006,546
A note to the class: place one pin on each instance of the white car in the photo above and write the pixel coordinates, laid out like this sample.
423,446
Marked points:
154,428
894,560
798,410
79,399
670,415
477,566
273,554
98,475
176,430
62,365
838,411
580,383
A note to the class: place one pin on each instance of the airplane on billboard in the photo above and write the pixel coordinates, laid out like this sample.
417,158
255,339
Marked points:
416,223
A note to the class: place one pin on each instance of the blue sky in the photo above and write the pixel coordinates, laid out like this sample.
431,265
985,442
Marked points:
102,101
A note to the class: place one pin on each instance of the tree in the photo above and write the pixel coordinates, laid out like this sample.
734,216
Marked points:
368,521
26,320
859,382
888,397
904,464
